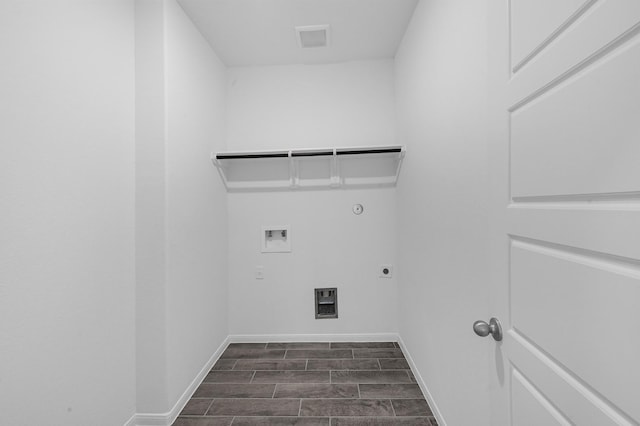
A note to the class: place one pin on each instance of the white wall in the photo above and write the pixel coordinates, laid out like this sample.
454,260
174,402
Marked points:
306,106
331,247
442,203
181,222
299,106
67,351
150,224
196,202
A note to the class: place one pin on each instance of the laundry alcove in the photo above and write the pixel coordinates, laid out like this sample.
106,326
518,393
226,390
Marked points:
131,264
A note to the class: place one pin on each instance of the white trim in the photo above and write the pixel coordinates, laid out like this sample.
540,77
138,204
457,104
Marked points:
188,393
148,419
422,384
166,419
274,338
131,421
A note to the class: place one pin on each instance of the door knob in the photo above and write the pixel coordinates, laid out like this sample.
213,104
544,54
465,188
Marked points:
482,329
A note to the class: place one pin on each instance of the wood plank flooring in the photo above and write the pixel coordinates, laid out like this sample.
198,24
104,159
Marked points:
309,384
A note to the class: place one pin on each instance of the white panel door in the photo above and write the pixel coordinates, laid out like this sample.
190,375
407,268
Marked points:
565,156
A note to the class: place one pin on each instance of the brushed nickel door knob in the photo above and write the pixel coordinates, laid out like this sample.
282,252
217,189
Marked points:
482,329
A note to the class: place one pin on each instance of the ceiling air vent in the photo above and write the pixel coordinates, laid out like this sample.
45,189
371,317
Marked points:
313,36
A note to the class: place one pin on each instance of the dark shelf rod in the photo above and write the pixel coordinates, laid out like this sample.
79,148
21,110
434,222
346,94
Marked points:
312,153
242,156
239,156
369,151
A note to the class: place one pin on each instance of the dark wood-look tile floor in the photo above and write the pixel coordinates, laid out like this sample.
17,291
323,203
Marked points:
309,384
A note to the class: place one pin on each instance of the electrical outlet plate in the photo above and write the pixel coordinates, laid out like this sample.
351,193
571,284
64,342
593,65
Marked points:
386,271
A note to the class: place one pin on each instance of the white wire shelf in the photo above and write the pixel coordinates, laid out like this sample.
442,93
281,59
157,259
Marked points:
371,166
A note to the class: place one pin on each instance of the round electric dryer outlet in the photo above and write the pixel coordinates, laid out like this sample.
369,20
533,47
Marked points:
386,271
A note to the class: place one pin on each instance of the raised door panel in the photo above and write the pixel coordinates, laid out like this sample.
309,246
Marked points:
536,22
581,308
577,403
582,136
603,26
530,406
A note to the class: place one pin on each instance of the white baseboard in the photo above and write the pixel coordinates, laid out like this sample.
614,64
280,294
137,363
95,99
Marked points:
422,384
131,421
166,419
149,419
266,338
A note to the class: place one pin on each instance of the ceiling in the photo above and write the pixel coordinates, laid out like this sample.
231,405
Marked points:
262,32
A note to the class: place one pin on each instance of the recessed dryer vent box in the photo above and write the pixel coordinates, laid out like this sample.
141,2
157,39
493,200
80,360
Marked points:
276,239
326,302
